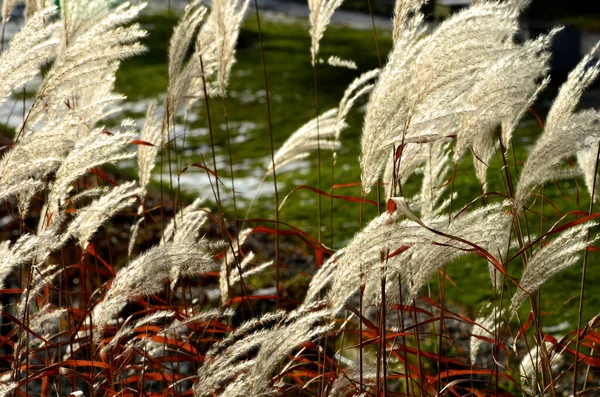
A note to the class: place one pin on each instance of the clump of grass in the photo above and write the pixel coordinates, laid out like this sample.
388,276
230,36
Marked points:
202,301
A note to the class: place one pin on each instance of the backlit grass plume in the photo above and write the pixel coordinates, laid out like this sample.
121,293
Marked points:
320,16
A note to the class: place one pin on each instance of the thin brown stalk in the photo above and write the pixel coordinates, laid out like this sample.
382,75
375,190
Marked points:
272,147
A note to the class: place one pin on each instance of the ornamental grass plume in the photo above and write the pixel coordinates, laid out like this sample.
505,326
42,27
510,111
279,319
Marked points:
76,68
230,357
552,258
500,100
31,47
147,274
320,15
89,219
566,132
169,317
480,229
282,340
324,131
226,18
319,132
383,114
235,267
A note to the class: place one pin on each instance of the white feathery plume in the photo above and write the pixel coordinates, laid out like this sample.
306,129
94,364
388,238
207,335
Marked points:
304,140
43,277
126,328
189,220
230,357
230,271
586,160
44,322
35,156
501,97
387,105
177,326
79,16
183,34
250,326
363,254
88,195
355,90
320,16
147,274
531,364
485,326
179,44
30,248
552,258
338,62
25,195
175,329
214,55
89,219
28,50
282,340
482,227
434,179
565,133
399,168
77,68
559,140
570,91
151,133
96,149
428,96
449,66
21,252
322,279
227,16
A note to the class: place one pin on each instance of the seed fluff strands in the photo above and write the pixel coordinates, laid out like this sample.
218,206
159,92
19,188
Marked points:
147,275
228,15
230,357
304,140
234,271
78,68
28,50
500,98
434,179
320,16
338,62
531,364
281,341
36,155
363,254
179,44
96,149
30,247
560,253
437,74
482,227
388,100
150,133
565,133
189,220
484,327
89,219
